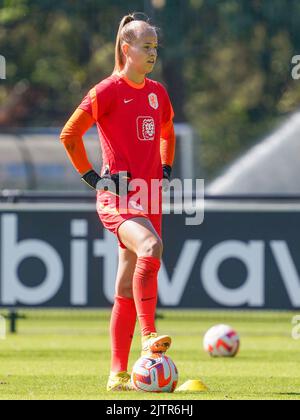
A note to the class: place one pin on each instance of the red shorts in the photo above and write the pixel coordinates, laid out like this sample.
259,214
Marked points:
112,215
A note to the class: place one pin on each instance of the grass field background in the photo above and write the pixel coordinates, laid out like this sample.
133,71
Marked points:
66,354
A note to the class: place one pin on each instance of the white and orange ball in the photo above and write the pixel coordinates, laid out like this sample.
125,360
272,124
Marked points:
155,373
221,341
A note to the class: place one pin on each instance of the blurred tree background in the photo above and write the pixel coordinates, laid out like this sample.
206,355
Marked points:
226,64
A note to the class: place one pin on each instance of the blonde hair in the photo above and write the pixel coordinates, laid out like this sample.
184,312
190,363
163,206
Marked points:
128,32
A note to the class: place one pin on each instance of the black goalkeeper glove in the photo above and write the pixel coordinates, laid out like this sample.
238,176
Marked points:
167,173
117,183
91,178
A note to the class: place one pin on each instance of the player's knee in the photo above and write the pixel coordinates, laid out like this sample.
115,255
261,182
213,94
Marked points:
151,247
124,290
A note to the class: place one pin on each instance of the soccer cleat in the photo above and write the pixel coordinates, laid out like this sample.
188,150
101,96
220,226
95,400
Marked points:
119,382
153,343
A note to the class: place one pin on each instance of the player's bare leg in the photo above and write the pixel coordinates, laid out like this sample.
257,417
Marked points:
126,267
140,237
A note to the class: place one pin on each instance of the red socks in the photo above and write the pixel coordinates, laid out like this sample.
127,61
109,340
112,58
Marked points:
145,292
122,325
123,318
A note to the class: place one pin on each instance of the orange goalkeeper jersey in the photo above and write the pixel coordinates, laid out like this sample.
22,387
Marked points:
135,126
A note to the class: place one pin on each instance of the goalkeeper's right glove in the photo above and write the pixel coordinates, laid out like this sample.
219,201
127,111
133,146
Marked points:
117,183
91,178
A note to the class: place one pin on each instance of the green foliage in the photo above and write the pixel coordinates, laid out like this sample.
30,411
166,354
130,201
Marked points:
238,73
227,64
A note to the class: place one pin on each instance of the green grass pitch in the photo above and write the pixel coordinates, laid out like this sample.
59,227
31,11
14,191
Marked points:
65,355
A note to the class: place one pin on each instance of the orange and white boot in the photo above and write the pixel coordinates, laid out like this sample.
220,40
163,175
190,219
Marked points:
154,343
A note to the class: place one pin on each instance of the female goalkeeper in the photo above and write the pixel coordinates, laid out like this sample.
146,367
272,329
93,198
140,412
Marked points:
134,117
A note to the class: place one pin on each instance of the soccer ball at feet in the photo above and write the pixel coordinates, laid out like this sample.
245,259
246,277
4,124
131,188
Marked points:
154,373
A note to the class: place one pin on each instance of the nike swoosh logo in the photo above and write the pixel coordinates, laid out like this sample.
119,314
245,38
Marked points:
127,101
144,300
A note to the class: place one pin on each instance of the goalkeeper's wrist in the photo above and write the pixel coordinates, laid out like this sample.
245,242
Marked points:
91,178
167,170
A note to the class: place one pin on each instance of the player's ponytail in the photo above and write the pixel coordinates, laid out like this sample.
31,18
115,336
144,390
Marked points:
119,63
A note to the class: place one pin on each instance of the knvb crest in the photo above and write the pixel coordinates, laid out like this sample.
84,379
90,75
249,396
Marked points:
2,67
146,128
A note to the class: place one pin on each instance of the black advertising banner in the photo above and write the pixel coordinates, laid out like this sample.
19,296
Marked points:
62,257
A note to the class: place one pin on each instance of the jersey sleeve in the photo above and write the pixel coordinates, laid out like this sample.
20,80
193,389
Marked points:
168,138
167,114
71,137
99,99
